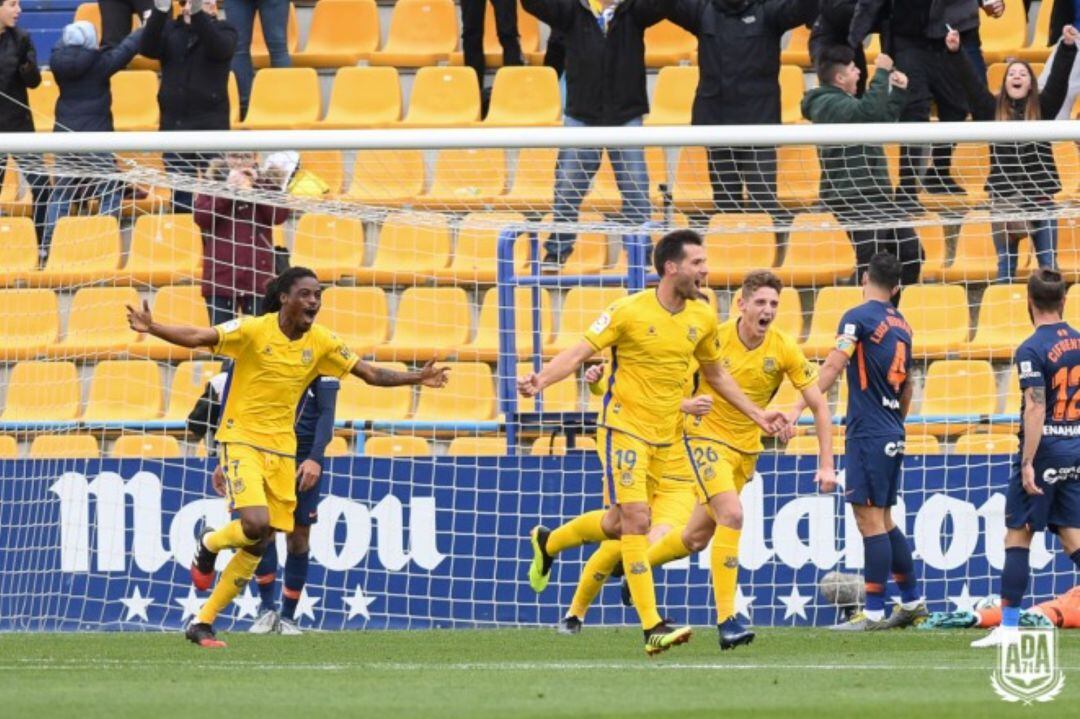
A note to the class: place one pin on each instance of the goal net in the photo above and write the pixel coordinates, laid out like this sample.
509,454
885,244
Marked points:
488,251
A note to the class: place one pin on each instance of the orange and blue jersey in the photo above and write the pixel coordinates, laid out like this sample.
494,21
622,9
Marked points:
1050,358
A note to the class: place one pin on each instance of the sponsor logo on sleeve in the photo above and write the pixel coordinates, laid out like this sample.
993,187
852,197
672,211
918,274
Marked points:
600,324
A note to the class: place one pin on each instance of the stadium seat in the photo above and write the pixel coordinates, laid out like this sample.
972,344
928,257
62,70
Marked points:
131,107
1067,159
970,167
590,253
976,258
64,446
443,97
789,316
737,244
485,346
431,323
926,444
668,44
469,395
475,252
581,306
331,245
1072,306
792,89
124,391
97,323
1003,323
412,247
422,33
556,446
797,50
397,446
341,33
818,252
283,98
938,315
528,37
995,73
604,195
798,174
143,198
14,200
42,392
829,306
534,181
173,305
328,165
359,402
234,101
43,100
1003,36
1038,50
363,97
164,249
1068,249
358,315
337,447
524,96
387,177
465,179
692,190
673,96
260,55
18,250
984,443
9,448
956,394
29,324
1013,395
559,397
148,446
188,382
477,446
932,238
808,444
84,249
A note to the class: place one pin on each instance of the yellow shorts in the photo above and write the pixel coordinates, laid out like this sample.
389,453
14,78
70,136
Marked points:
261,479
632,466
716,467
673,501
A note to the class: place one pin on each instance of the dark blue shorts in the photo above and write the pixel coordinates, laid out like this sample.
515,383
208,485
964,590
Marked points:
1057,506
307,503
872,470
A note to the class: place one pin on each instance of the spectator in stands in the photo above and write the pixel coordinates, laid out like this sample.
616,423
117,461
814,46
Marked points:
1023,175
1064,12
831,28
472,37
195,51
274,20
855,183
116,18
739,57
82,72
18,73
605,86
238,243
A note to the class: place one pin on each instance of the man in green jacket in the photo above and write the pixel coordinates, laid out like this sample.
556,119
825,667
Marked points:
855,183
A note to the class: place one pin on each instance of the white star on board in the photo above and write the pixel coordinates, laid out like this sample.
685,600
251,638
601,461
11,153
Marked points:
359,603
189,605
136,605
743,602
795,604
305,606
247,604
964,601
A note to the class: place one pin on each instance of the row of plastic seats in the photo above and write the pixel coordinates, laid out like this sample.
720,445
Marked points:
972,443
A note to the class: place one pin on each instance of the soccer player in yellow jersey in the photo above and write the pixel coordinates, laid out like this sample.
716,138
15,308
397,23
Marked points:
654,335
720,448
275,358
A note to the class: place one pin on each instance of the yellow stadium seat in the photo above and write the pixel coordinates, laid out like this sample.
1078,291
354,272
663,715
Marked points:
829,307
792,89
808,444
260,55
173,305
341,33
1004,36
1038,50
328,165
932,238
143,198
188,382
443,97
559,397
42,392
556,446
1067,159
84,249
412,248
528,37
475,253
1068,249
976,259
469,395
1003,323
797,50
387,177
581,306
1072,306
97,323
9,448
534,181
363,97
673,96
29,324
131,108
818,252
397,446
138,446
337,447
124,391
590,252
970,167
668,44
431,322
14,200
984,443
1012,393
331,245
18,250
524,96
485,346
234,101
605,196
925,444
477,446
360,402
43,101
164,249
422,33
789,317
798,174
64,446
956,393
736,244
938,315
358,315
283,98
692,190
466,179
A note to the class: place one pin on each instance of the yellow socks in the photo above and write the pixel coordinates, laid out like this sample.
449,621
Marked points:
639,577
231,536
725,570
238,572
593,576
578,531
668,549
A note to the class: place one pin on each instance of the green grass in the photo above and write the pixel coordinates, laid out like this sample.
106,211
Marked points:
510,674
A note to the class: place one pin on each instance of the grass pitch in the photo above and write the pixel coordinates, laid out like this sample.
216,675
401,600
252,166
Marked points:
510,674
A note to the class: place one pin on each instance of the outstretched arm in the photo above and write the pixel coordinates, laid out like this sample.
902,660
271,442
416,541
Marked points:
771,421
429,375
180,335
561,366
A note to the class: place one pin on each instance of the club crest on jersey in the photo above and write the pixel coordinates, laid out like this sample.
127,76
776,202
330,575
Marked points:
769,366
306,357
268,350
626,479
709,474
691,333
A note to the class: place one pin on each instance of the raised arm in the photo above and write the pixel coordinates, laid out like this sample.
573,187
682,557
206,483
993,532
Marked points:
561,366
982,104
771,421
1033,419
1052,97
180,335
787,14
117,58
151,45
429,375
218,38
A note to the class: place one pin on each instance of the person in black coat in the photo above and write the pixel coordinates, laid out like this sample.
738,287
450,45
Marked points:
116,18
739,58
196,51
831,29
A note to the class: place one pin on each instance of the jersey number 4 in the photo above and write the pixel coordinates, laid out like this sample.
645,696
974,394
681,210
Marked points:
898,368
1067,409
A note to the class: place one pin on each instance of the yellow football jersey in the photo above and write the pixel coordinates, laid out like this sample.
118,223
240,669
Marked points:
759,372
269,375
651,352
